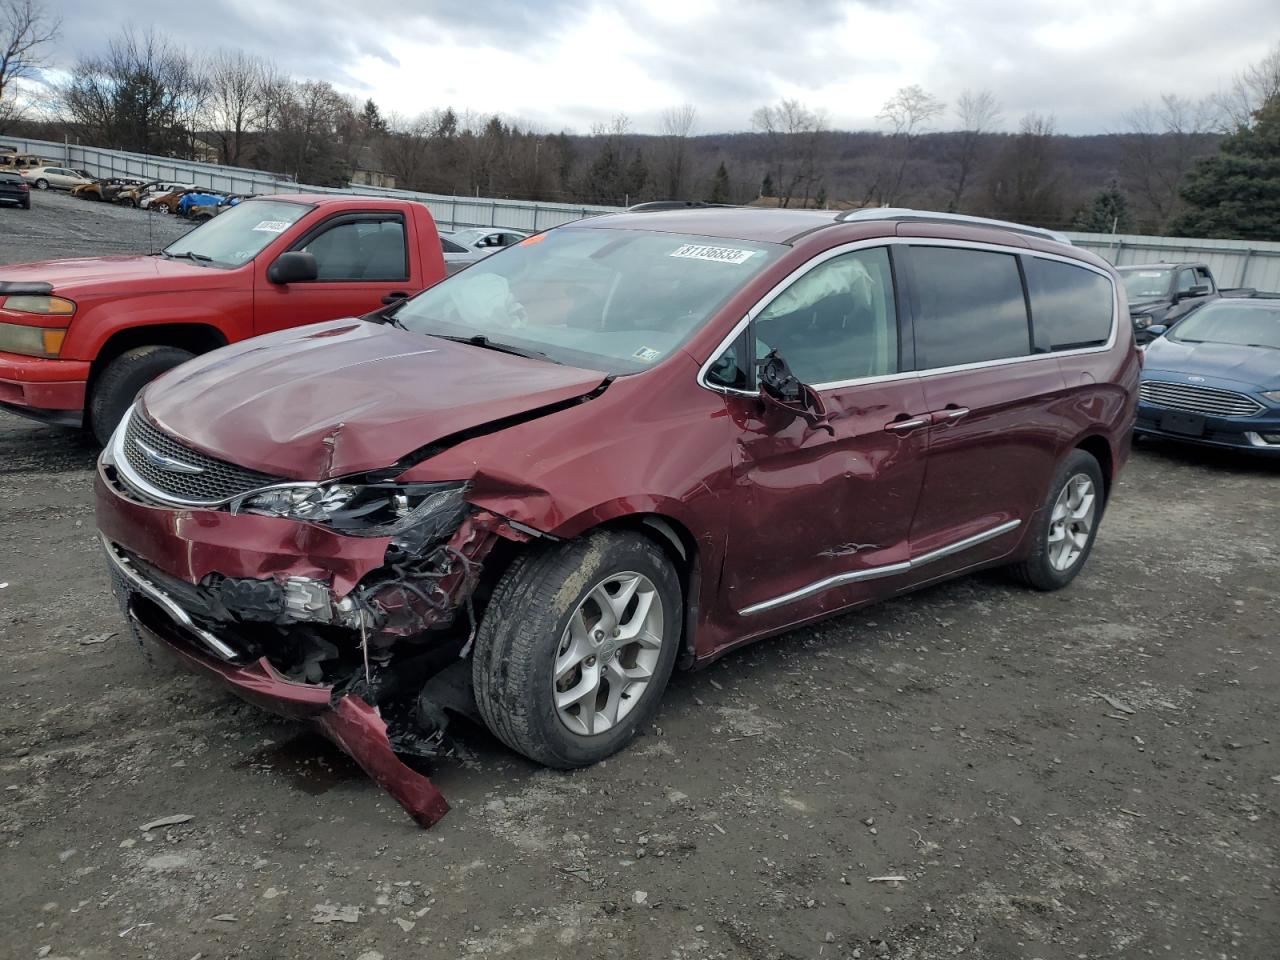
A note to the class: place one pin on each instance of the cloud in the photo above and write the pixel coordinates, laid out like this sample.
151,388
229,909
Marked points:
574,63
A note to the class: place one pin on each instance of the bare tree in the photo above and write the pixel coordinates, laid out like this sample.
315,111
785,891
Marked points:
1162,145
909,113
979,114
237,100
676,125
140,95
793,134
25,30
1026,183
1249,90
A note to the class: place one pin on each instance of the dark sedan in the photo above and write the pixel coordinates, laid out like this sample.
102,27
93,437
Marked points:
13,189
1215,378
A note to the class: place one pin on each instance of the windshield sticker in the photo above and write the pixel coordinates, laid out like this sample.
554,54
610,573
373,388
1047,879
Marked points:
272,226
698,251
1156,274
647,354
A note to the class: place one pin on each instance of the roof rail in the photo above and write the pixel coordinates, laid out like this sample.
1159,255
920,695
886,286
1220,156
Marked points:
930,216
654,206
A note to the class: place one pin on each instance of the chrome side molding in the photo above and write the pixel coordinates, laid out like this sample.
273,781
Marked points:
876,573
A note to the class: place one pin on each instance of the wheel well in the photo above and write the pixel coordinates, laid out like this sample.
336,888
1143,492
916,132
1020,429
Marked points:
196,337
682,550
1098,447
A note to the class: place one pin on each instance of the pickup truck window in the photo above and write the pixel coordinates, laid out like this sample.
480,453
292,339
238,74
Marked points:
366,249
1186,280
237,236
1146,284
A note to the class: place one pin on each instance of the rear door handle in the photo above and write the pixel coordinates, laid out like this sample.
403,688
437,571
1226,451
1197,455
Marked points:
906,426
949,415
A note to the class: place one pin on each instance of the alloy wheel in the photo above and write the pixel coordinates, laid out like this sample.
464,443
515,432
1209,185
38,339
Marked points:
608,653
1071,523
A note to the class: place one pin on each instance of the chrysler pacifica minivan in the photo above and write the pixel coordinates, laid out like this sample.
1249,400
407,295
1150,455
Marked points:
623,446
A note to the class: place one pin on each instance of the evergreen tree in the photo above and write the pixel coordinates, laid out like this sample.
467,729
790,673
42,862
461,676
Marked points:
766,188
1236,195
720,185
1108,213
371,116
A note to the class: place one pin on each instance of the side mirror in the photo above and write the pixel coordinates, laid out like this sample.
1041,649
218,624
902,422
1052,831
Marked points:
1156,329
781,390
293,267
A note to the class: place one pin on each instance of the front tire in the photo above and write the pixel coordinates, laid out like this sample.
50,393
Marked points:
42,184
118,384
1067,526
576,647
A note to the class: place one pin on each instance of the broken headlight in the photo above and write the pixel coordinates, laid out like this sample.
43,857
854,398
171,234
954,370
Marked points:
363,510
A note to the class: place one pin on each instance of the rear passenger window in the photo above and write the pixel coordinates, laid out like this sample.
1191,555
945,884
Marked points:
970,307
1070,306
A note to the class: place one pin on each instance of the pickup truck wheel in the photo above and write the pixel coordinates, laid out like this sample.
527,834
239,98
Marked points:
121,380
576,647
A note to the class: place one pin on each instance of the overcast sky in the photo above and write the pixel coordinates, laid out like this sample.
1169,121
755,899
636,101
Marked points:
573,63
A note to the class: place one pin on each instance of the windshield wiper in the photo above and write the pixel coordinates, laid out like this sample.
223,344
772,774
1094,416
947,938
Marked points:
480,340
188,255
1269,346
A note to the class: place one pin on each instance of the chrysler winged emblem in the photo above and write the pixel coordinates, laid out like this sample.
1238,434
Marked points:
168,464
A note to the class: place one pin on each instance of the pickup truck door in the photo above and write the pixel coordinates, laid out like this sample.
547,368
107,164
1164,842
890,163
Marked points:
363,257
1187,279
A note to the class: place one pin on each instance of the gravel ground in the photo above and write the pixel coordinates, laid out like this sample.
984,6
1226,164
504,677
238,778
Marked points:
1087,774
59,226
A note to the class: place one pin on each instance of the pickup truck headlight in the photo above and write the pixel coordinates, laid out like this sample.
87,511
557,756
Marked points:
362,510
31,341
41,306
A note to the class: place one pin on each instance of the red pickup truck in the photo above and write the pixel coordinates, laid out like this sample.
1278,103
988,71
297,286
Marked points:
79,338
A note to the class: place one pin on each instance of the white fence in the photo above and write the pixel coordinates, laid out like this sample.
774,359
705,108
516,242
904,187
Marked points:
1236,263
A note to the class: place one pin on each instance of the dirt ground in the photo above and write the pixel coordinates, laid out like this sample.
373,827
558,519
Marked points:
1092,773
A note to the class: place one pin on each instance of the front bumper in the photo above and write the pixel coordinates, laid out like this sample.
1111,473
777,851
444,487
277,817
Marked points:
354,725
1235,433
215,587
52,391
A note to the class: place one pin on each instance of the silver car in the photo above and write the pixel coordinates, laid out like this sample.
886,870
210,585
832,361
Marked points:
57,178
464,247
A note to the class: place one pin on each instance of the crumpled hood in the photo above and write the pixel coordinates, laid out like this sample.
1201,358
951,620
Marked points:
347,396
97,274
1254,368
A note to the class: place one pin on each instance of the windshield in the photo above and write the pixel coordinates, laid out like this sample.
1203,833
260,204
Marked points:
1146,284
611,300
238,235
1250,326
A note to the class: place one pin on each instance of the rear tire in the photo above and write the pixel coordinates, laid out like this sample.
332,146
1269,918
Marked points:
1067,525
119,383
548,610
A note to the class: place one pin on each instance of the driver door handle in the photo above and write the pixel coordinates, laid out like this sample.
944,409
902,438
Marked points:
949,415
906,426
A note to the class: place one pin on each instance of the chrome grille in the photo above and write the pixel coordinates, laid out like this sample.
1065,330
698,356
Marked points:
1197,399
216,482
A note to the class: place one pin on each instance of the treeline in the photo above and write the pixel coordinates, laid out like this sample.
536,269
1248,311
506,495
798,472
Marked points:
146,93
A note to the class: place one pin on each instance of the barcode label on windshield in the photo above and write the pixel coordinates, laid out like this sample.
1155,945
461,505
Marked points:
272,226
698,251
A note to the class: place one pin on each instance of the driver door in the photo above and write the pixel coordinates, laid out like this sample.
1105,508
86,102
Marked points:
824,509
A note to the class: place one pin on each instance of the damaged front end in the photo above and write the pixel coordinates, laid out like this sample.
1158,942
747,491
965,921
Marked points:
346,603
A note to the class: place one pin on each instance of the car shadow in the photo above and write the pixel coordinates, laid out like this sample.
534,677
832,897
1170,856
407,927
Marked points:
30,447
1241,462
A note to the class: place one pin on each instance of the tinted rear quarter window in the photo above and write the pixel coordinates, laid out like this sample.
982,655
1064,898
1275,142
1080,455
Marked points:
969,307
1071,307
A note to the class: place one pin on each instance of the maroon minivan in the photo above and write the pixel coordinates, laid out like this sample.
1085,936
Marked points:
629,443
